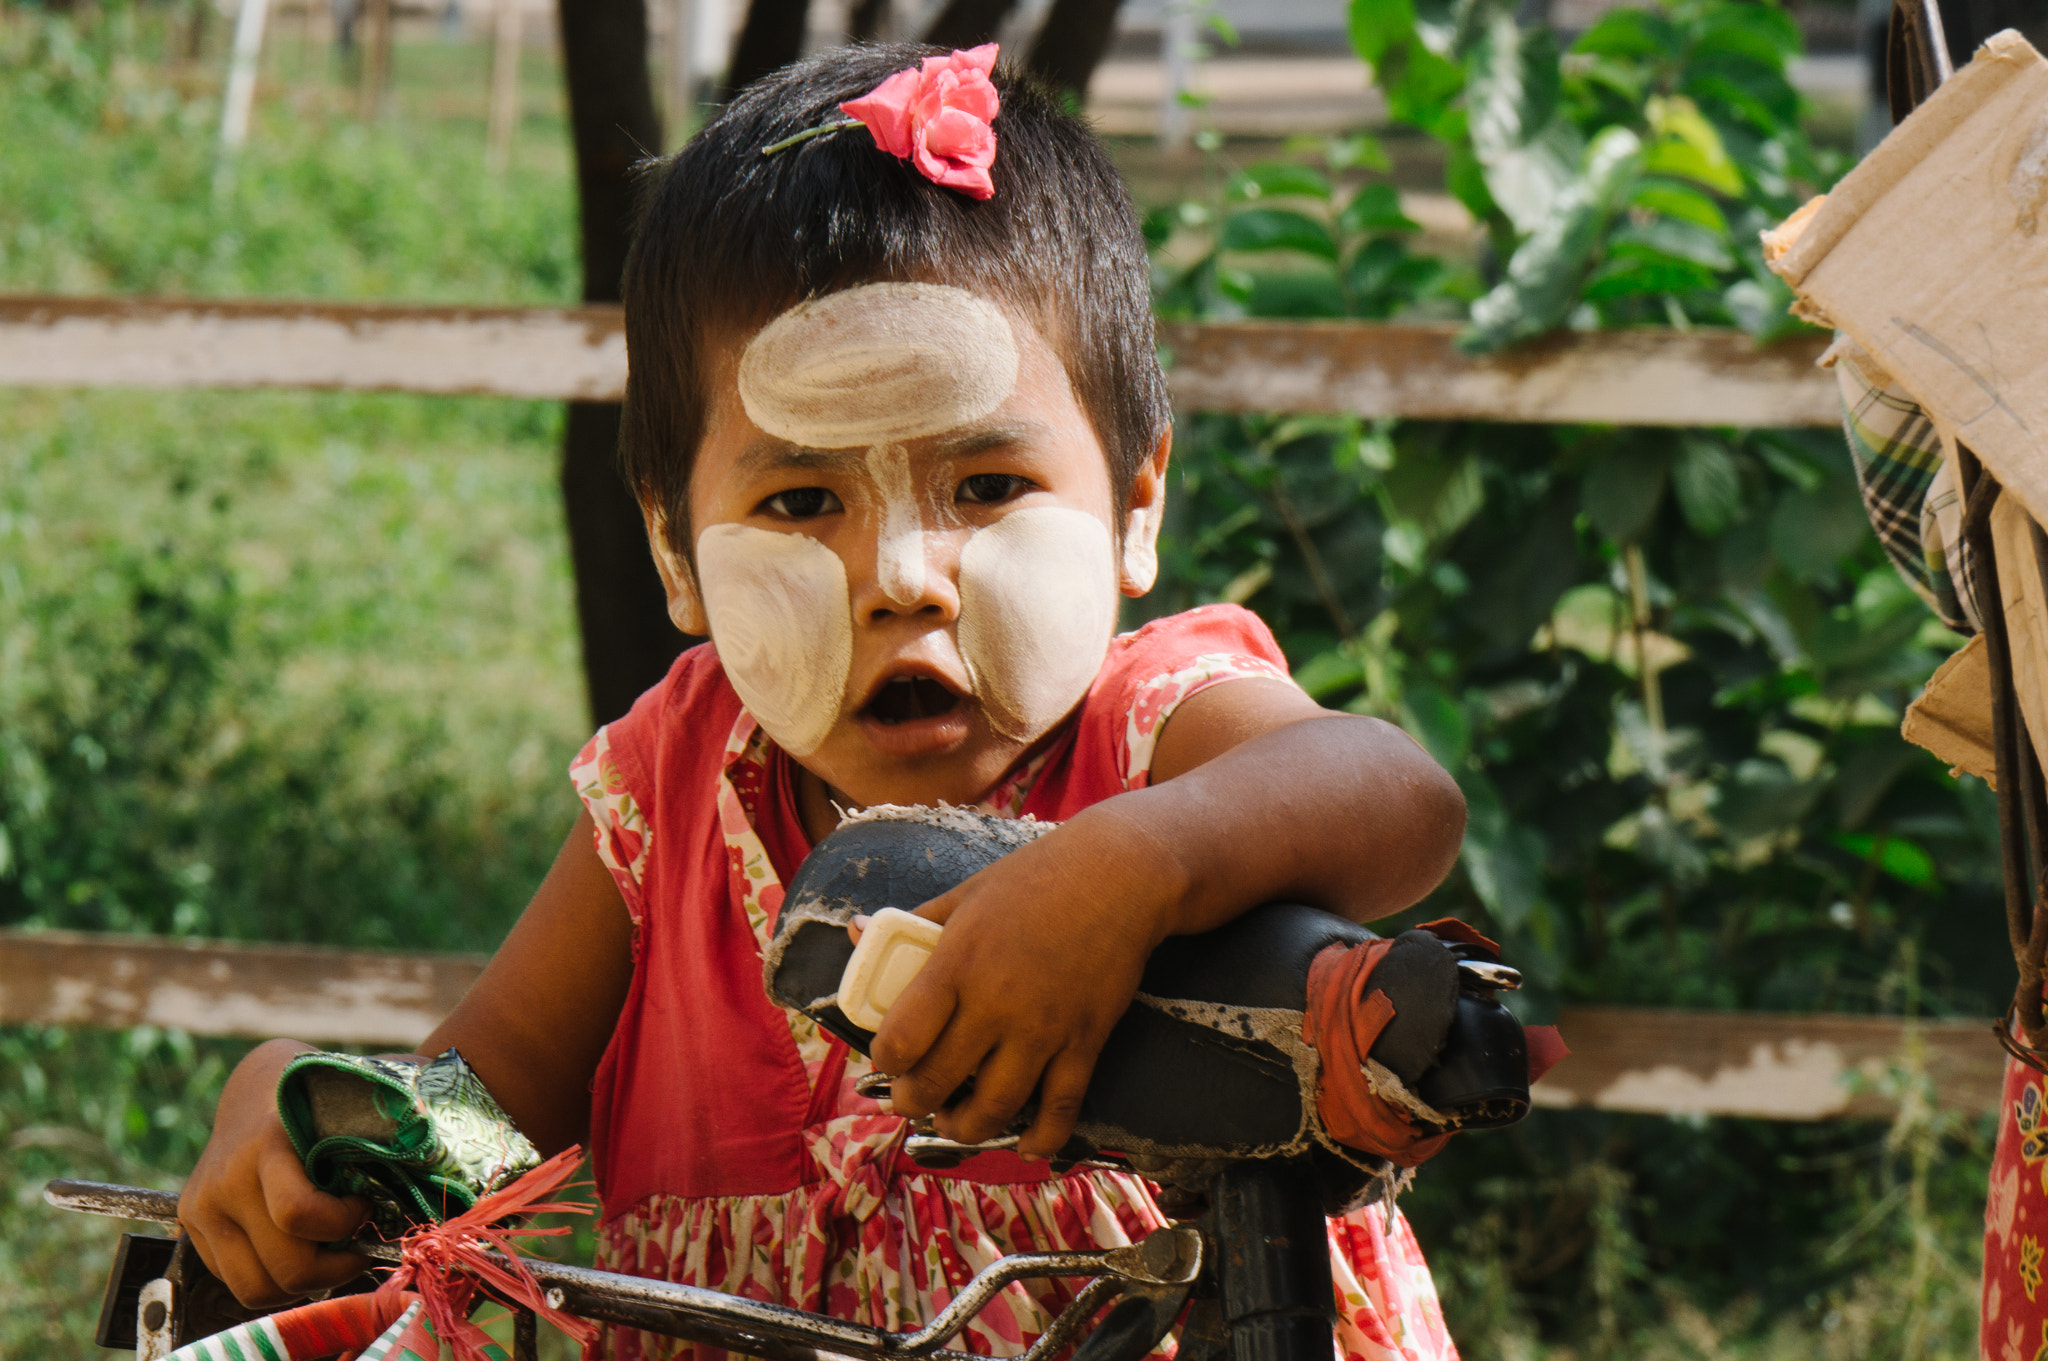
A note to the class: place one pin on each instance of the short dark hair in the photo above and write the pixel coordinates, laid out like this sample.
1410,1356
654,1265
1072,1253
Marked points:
729,238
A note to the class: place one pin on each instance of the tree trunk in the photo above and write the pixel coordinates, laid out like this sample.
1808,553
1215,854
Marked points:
968,23
864,20
628,641
771,39
1072,42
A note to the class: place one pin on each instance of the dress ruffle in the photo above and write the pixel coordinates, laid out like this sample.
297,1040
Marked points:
877,1243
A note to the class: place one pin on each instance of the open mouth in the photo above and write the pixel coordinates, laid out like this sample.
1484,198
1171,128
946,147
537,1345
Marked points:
909,698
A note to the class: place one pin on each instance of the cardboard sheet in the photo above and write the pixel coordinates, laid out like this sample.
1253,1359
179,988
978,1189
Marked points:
1952,716
1933,255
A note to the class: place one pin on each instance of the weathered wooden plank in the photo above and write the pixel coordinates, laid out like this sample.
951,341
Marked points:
1648,377
566,353
220,988
1778,1067
1781,1067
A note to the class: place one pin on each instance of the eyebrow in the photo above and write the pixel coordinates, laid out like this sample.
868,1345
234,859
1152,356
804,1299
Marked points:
769,454
992,437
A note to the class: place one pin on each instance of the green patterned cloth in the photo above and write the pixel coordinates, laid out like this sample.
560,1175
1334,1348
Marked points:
422,1142
1908,494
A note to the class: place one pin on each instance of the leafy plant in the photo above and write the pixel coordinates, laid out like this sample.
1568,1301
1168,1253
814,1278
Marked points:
1667,667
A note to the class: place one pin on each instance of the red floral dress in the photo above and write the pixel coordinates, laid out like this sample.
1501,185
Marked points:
2015,1326
730,1147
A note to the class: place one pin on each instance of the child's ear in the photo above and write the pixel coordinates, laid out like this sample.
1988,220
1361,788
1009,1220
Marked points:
1141,524
685,606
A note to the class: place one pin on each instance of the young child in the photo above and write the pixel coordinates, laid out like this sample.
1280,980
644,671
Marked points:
900,436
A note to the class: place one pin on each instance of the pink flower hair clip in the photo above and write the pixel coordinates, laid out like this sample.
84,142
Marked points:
935,115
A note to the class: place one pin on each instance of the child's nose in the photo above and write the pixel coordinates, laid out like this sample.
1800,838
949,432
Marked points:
914,569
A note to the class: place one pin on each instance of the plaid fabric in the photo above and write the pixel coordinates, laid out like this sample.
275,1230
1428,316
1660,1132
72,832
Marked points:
1909,491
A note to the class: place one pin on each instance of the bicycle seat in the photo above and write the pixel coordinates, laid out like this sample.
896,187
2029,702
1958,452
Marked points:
1235,1047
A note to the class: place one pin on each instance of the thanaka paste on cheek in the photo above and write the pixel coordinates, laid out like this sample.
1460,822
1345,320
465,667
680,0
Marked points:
1038,602
878,364
783,627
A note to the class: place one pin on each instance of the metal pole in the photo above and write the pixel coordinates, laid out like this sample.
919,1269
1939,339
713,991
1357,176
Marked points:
505,51
710,44
1178,53
682,67
241,94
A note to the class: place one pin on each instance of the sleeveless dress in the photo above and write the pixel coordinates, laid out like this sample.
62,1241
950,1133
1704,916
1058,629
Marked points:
729,1146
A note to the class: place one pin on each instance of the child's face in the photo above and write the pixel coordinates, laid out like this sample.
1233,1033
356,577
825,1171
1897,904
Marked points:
906,542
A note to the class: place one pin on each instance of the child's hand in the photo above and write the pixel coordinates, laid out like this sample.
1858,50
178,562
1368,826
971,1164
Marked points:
1041,955
1257,795
256,1220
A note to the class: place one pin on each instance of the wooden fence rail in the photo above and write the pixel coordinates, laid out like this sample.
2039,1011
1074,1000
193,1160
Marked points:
1646,377
1783,1067
1628,1059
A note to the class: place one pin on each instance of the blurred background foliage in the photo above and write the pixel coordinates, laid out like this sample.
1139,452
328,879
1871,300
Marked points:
1666,666
302,667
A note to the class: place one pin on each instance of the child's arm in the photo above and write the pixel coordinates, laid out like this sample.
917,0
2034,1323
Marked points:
533,1028
1259,794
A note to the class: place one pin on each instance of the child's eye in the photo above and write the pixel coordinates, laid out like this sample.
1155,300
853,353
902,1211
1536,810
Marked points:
988,489
802,503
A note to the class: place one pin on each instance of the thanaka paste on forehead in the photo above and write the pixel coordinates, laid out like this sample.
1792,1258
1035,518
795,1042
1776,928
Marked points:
779,616
878,364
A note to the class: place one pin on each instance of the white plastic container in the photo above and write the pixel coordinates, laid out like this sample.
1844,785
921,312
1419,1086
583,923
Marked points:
892,948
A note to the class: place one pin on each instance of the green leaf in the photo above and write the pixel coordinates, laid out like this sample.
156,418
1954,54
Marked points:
1386,277
1270,229
1360,151
1763,33
1544,274
1708,486
1902,858
1374,209
1759,94
1506,868
1635,277
1327,673
1668,239
1517,585
1158,226
1762,797
1631,33
1438,495
1811,531
1682,202
1687,145
1438,722
1419,83
1465,177
1279,179
1622,491
1763,307
1530,153
1689,162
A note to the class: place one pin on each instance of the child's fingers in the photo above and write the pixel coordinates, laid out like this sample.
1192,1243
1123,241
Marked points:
1060,1093
1003,1082
230,1256
301,1209
915,1021
926,1086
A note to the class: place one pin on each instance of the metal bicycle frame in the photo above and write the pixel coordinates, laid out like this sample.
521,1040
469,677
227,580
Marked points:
1160,1271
